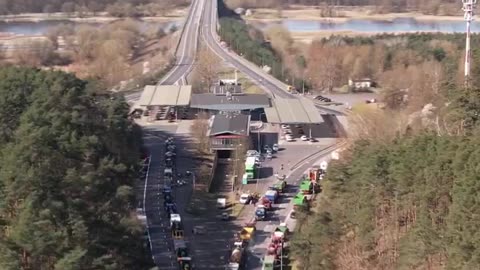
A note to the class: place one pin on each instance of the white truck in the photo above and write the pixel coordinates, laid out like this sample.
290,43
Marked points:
236,258
175,218
221,203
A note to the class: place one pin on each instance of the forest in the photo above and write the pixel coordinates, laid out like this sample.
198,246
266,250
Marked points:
404,193
69,157
119,8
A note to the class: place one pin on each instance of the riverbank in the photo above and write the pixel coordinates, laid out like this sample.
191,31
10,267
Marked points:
309,36
344,14
100,17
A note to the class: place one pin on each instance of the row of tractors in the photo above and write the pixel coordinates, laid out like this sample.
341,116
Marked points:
277,249
309,186
236,259
264,204
176,225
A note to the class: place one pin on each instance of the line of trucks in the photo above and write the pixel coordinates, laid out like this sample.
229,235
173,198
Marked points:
176,225
276,250
308,187
242,238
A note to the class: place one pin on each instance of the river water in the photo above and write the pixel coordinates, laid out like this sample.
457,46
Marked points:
42,27
362,25
398,25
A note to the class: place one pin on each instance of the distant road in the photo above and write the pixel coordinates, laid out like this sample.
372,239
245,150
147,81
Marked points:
255,73
187,49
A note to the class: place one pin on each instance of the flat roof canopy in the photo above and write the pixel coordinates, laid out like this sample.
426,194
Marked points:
229,123
165,95
293,111
235,102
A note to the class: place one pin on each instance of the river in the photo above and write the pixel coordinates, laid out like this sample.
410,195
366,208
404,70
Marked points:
42,27
399,25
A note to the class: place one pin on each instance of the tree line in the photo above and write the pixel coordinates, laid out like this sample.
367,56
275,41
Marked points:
254,46
402,195
436,7
119,8
408,204
68,160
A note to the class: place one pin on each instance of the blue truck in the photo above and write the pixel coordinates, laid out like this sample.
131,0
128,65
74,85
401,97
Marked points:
272,195
260,213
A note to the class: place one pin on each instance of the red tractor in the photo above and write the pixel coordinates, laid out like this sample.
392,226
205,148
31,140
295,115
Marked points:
274,249
265,202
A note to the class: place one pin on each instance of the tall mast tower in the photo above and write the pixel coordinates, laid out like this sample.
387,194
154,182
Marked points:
468,8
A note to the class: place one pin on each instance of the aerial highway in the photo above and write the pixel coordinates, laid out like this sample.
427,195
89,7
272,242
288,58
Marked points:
158,232
185,52
209,34
187,46
200,25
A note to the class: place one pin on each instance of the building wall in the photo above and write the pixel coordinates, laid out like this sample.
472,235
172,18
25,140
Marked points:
224,143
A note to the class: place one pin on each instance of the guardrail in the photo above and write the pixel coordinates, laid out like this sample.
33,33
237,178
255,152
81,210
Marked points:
320,152
212,174
144,199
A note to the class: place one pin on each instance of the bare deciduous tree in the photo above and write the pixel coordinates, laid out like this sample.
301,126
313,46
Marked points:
324,66
207,67
34,53
199,131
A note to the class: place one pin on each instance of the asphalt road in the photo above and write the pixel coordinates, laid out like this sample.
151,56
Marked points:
211,250
187,49
258,76
257,249
158,222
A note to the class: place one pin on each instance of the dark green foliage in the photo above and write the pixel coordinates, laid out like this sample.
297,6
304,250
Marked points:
424,186
67,167
235,33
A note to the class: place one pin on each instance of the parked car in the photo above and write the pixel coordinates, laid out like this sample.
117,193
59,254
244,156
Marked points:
275,147
225,216
304,138
252,153
285,127
287,131
245,198
289,138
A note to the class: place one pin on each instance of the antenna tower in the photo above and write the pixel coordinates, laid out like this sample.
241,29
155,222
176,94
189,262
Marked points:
468,8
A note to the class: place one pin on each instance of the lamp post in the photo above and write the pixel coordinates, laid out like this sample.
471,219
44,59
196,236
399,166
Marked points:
193,179
235,164
258,133
281,257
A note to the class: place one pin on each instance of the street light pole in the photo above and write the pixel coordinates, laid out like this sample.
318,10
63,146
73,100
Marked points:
281,257
258,141
193,178
258,133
